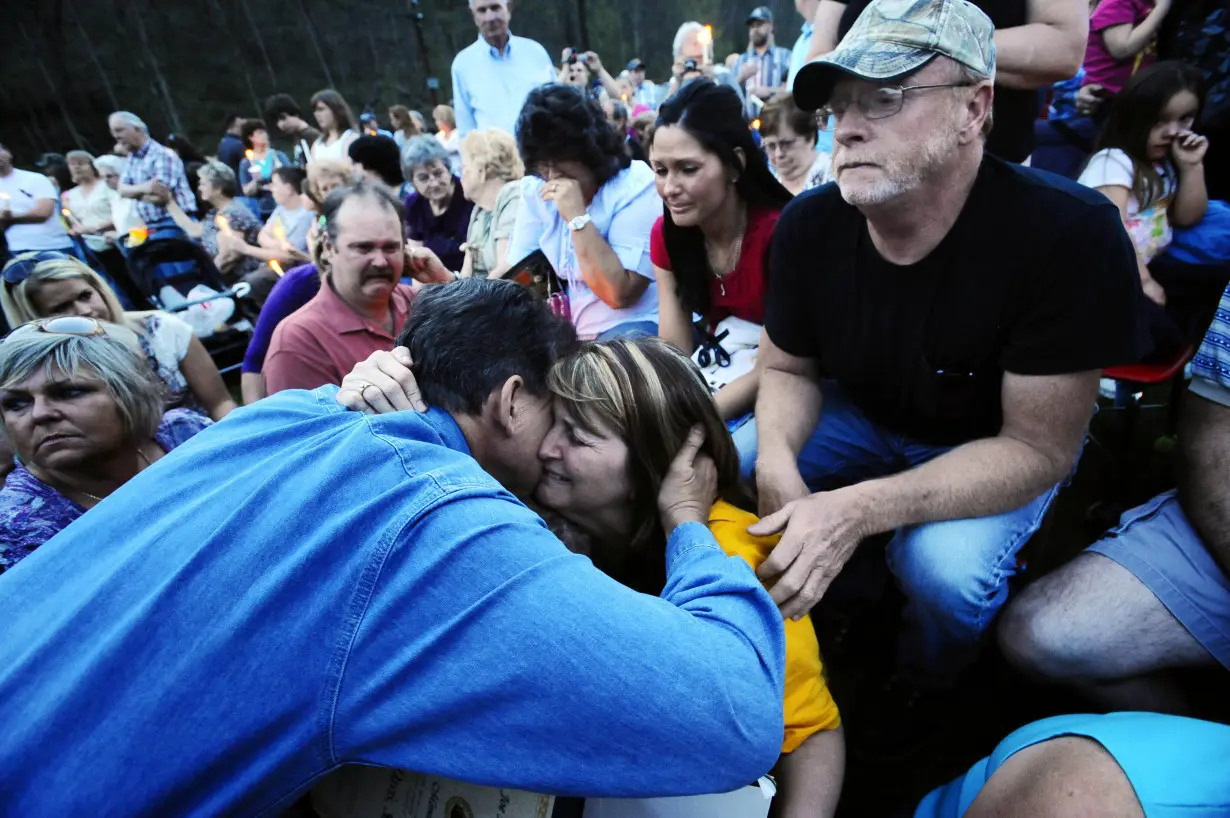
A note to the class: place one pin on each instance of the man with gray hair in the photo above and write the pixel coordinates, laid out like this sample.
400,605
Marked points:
493,75
149,162
933,353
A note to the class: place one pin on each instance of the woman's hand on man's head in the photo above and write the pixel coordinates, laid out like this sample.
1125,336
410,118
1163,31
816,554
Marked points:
690,486
382,384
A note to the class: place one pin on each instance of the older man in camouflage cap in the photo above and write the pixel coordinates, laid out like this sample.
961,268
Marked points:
937,320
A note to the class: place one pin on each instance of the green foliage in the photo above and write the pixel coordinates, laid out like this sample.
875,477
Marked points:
70,62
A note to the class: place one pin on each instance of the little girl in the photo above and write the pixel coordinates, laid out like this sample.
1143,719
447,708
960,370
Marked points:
1150,163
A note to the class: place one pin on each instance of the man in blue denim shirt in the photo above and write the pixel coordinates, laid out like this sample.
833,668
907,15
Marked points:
303,587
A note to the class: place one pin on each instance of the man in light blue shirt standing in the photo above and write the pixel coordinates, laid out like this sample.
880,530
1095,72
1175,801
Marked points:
492,76
798,59
302,587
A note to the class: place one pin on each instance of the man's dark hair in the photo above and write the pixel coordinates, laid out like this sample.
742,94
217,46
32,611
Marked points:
292,176
362,189
280,105
561,123
468,337
230,121
380,155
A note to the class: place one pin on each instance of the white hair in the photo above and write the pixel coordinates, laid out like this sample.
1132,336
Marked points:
110,162
686,30
129,118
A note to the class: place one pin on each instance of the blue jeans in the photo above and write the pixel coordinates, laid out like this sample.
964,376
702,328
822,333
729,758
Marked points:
954,573
632,329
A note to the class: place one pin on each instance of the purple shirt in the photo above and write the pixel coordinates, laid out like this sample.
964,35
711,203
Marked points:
292,291
443,234
32,512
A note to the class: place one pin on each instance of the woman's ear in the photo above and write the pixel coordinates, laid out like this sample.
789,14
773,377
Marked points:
741,160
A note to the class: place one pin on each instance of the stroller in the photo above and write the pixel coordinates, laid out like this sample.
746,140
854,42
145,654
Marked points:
181,265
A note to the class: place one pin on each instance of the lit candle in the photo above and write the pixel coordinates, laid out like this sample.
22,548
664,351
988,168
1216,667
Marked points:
4,201
253,168
224,227
137,235
68,214
755,124
277,268
706,38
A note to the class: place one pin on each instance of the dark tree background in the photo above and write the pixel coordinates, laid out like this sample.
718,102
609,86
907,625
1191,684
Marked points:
183,66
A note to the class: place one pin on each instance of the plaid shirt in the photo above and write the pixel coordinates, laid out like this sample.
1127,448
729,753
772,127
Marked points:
155,161
774,65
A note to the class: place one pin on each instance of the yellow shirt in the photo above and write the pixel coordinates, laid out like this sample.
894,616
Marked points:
809,707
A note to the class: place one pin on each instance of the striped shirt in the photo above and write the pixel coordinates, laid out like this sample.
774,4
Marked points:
1211,366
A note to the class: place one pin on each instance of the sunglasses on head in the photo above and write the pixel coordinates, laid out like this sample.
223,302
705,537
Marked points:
22,267
78,325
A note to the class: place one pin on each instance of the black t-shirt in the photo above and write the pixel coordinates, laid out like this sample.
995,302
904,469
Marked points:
1014,112
1036,277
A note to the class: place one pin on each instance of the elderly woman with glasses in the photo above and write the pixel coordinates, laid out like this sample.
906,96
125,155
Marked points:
789,138
84,414
226,216
41,285
437,213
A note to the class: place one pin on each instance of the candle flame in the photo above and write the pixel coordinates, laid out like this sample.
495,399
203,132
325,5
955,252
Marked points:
68,214
705,35
224,227
249,154
277,268
755,124
4,196
279,232
137,235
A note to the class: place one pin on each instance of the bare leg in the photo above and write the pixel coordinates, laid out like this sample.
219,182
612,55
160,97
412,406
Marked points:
809,779
1058,778
1092,623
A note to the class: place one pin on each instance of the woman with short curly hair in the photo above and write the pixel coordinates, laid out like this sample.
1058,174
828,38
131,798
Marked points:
590,212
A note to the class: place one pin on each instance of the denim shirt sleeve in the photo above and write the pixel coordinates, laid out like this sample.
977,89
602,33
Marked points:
487,652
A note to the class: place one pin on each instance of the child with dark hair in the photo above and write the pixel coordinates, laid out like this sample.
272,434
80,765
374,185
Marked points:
378,158
1150,161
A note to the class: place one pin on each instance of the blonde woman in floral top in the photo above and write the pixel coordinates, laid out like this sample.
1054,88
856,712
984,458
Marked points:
84,415
38,285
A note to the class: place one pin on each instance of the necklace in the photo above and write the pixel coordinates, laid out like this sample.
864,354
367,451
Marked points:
98,499
732,257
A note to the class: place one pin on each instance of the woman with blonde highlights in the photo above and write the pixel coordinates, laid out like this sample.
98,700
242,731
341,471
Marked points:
42,285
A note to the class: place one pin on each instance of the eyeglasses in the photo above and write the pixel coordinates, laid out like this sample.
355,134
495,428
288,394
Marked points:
439,174
780,145
78,325
882,102
22,267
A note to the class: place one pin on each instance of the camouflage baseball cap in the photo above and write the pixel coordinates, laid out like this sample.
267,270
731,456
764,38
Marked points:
892,38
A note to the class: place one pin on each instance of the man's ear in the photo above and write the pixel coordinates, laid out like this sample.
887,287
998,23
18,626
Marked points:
508,408
978,111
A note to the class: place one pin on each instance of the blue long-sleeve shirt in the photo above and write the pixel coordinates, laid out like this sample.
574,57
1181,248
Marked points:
300,587
490,85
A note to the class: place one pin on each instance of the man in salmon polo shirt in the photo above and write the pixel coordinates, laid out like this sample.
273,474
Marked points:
361,305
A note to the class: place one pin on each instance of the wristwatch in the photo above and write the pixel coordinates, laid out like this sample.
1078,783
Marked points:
579,222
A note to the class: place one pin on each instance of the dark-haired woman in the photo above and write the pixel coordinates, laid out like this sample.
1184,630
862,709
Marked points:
710,247
590,212
257,167
337,125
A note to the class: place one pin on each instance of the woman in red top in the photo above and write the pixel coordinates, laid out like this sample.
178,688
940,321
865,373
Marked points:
710,248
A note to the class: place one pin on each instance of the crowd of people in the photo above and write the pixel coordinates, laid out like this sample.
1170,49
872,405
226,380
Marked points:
721,333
